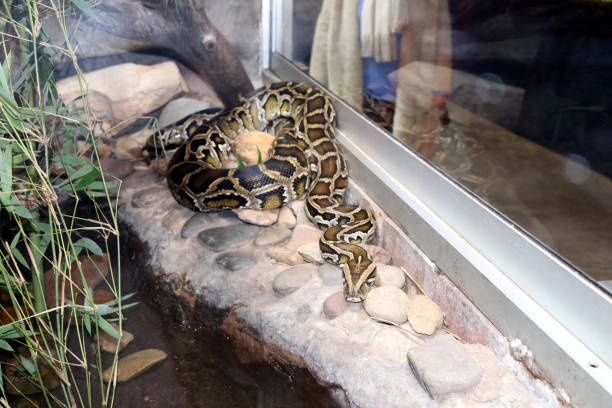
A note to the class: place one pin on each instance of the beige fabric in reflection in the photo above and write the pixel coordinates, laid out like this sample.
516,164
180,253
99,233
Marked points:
336,53
425,61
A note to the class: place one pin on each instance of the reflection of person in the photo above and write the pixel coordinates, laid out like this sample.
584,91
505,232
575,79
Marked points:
385,57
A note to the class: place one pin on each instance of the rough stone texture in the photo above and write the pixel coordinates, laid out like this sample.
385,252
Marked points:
291,279
444,366
389,276
424,315
388,303
272,235
293,330
231,236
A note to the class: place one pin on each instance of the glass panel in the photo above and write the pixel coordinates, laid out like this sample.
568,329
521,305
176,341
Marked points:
510,99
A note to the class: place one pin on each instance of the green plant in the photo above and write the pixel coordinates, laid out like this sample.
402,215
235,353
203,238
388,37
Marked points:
41,160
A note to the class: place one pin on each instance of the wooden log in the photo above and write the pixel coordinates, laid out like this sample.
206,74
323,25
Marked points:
183,28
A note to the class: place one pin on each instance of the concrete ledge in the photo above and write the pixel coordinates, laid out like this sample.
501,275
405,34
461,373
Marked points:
362,361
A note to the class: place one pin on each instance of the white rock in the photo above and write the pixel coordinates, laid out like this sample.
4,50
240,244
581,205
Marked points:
134,91
286,217
179,108
388,303
443,366
257,217
424,315
387,275
284,256
246,145
304,234
311,252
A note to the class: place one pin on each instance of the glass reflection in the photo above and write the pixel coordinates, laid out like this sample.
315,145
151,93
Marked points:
512,99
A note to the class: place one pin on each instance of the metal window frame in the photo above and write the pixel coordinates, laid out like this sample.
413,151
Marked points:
518,283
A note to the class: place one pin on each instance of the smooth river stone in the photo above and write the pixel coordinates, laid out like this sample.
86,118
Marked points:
149,196
304,234
231,236
235,260
335,305
291,279
286,217
311,252
387,303
257,217
196,223
284,256
134,364
272,235
140,179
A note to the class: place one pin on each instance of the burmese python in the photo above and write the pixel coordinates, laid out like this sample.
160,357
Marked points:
304,158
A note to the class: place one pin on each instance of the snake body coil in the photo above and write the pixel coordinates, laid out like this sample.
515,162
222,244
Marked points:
305,159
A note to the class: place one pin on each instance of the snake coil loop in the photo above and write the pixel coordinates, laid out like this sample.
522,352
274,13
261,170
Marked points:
305,159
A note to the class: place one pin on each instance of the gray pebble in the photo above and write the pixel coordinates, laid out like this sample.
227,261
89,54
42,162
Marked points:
196,223
235,260
231,236
291,279
272,235
149,196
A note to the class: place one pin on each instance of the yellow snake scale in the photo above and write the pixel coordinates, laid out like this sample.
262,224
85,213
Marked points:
304,158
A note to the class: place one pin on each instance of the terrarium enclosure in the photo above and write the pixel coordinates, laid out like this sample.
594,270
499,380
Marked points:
313,203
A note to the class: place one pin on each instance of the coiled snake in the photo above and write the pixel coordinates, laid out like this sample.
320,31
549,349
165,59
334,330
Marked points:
305,159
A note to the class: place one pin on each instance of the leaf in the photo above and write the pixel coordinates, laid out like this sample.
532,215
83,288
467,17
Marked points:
259,160
16,252
79,178
18,209
87,323
86,8
240,162
5,346
28,365
6,172
90,245
106,326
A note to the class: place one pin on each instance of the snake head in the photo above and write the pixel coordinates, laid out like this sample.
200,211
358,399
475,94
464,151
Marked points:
358,278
